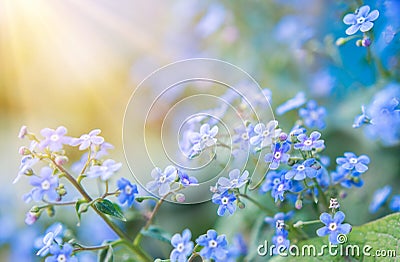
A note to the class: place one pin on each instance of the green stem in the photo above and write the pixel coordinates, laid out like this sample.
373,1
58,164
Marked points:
255,202
324,199
303,223
138,251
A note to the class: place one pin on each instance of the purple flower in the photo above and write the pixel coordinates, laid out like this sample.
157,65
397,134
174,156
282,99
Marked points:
45,185
333,226
352,162
54,139
204,138
379,198
313,116
298,100
214,246
105,171
53,234
63,254
303,170
102,149
237,248
87,140
243,135
183,246
279,155
187,180
127,191
395,203
309,143
361,20
236,180
225,201
162,180
265,135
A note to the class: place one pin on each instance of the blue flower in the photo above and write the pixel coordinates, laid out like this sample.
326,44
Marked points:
384,114
272,178
45,185
395,203
361,119
308,143
27,162
265,135
281,242
187,180
298,100
54,139
279,155
105,171
183,246
214,246
87,140
237,248
313,116
333,226
63,254
279,189
361,20
272,221
225,201
347,178
303,170
243,135
162,180
352,162
379,198
236,180
53,235
127,191
205,138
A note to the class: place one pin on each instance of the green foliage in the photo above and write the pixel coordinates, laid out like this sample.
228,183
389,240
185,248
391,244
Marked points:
107,207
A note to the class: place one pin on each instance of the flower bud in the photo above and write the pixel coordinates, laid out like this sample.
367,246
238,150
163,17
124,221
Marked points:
359,42
31,217
50,211
366,42
341,41
23,151
343,194
23,132
299,204
61,160
180,197
241,205
283,136
34,209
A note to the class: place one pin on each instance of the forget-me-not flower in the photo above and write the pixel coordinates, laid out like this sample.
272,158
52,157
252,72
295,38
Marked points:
351,161
278,155
54,139
226,201
333,226
302,170
105,171
308,143
127,191
313,115
61,254
183,246
361,20
87,140
379,198
44,185
162,180
236,179
214,246
265,135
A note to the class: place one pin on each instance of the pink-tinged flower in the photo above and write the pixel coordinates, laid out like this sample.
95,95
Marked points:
54,139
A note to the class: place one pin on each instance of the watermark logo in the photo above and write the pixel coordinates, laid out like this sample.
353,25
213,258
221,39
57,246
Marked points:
309,250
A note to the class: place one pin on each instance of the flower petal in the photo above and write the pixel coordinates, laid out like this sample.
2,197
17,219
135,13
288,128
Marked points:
323,231
352,29
366,26
373,15
349,19
339,217
325,218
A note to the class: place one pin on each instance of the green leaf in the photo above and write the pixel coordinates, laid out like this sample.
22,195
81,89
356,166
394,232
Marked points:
157,233
382,235
106,255
107,207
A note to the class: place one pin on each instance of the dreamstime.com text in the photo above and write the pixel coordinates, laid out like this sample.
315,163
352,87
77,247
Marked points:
332,250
